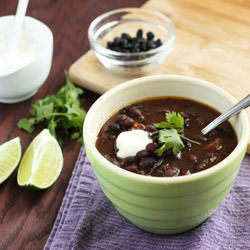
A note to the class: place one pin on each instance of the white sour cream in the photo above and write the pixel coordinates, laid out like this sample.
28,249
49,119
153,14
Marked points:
10,62
130,142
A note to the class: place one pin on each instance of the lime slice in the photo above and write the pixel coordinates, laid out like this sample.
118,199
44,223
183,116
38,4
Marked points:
10,154
42,162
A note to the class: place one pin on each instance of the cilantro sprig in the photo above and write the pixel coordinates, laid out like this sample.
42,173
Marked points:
170,133
62,112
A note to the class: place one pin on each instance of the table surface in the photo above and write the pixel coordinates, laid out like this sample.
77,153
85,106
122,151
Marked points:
27,216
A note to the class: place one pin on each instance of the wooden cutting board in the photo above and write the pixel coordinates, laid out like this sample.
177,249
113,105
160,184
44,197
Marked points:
212,43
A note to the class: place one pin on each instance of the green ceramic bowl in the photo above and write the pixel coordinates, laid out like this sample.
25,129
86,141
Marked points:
157,204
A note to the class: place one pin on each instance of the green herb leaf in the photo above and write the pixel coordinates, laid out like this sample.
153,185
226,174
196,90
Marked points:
171,140
61,112
173,120
170,133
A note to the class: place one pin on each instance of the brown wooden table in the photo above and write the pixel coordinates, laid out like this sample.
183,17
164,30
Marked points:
27,216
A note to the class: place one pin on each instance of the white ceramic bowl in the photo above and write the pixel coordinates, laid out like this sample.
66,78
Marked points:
24,82
157,204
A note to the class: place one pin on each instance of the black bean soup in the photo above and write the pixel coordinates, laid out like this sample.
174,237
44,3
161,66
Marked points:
213,148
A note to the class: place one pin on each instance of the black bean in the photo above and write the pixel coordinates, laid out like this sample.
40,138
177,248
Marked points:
150,45
143,46
158,42
150,128
156,165
151,147
128,160
117,40
126,36
125,120
172,171
114,128
150,35
158,172
139,33
128,122
135,111
155,138
142,153
131,168
147,162
135,50
109,45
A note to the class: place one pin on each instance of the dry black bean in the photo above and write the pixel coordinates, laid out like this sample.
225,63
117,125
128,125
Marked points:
158,42
139,33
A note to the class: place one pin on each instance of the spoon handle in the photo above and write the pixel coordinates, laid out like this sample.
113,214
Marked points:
244,103
17,25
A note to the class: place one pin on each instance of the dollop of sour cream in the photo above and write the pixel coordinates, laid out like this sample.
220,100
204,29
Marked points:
130,142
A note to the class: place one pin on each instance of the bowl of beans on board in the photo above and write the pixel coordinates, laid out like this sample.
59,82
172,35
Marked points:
143,139
131,41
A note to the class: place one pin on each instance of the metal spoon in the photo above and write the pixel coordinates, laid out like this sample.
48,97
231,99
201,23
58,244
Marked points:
244,103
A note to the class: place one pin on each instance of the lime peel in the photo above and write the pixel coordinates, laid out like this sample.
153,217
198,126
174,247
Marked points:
10,155
42,162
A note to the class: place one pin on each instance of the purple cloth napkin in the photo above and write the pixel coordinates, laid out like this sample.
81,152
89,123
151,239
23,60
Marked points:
88,220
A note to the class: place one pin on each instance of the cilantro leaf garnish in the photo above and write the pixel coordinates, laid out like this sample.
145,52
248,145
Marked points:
173,120
62,112
171,139
170,133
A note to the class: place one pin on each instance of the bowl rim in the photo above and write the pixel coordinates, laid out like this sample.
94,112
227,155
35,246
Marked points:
110,53
47,48
240,147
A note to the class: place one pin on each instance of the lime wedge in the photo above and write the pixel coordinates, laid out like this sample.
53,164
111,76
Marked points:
10,154
42,162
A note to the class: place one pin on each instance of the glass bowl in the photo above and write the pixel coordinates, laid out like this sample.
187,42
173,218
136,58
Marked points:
108,26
